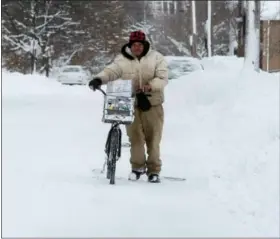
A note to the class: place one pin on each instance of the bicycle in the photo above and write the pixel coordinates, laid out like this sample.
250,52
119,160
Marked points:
117,110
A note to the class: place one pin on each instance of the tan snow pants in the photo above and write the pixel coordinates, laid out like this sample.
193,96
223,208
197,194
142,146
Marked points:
146,128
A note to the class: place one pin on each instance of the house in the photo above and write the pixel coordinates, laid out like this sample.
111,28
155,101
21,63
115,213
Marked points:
270,45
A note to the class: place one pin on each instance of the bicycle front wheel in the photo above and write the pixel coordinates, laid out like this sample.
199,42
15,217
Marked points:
113,154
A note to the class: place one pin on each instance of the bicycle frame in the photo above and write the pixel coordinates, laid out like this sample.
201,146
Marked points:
112,147
114,126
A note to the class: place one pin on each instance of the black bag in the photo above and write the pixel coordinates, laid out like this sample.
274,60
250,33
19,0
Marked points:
143,102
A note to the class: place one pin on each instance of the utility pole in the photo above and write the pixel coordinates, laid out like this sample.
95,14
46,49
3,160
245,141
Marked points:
209,29
194,31
252,50
257,28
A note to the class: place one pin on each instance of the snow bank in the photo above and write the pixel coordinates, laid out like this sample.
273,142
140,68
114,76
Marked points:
230,120
219,64
19,85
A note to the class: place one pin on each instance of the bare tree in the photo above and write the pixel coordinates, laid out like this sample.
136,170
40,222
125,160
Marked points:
102,22
232,25
29,27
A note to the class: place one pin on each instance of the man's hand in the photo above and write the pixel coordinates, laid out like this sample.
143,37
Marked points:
95,83
147,88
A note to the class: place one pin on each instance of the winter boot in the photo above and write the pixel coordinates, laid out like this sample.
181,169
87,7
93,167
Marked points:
135,175
154,178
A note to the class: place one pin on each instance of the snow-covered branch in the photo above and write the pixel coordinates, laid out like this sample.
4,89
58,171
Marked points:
50,19
179,46
18,44
31,31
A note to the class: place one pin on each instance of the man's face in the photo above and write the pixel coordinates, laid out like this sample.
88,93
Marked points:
137,48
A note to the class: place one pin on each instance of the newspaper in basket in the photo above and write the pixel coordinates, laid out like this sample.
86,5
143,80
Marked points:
119,103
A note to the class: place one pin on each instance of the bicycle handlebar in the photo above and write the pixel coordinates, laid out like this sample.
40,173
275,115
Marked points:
102,91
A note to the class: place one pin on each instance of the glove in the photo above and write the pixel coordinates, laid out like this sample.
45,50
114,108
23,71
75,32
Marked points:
143,102
95,83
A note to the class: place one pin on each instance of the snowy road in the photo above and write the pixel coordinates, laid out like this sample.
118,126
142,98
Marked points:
53,137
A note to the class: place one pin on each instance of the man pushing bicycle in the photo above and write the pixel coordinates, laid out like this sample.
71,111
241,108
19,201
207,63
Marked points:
148,71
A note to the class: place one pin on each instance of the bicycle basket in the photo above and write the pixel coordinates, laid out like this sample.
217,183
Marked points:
119,103
118,109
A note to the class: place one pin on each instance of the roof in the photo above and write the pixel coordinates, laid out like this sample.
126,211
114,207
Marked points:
270,10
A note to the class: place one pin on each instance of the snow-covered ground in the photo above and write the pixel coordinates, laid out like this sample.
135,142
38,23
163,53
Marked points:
221,133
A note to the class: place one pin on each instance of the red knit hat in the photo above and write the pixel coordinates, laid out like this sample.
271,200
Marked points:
137,36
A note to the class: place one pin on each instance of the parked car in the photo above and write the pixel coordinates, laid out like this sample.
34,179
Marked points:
73,75
179,66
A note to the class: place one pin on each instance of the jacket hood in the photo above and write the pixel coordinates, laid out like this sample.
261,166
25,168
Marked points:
126,52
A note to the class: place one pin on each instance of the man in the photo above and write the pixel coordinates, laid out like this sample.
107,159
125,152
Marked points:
149,74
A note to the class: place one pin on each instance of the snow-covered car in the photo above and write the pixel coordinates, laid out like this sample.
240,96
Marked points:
179,66
73,75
